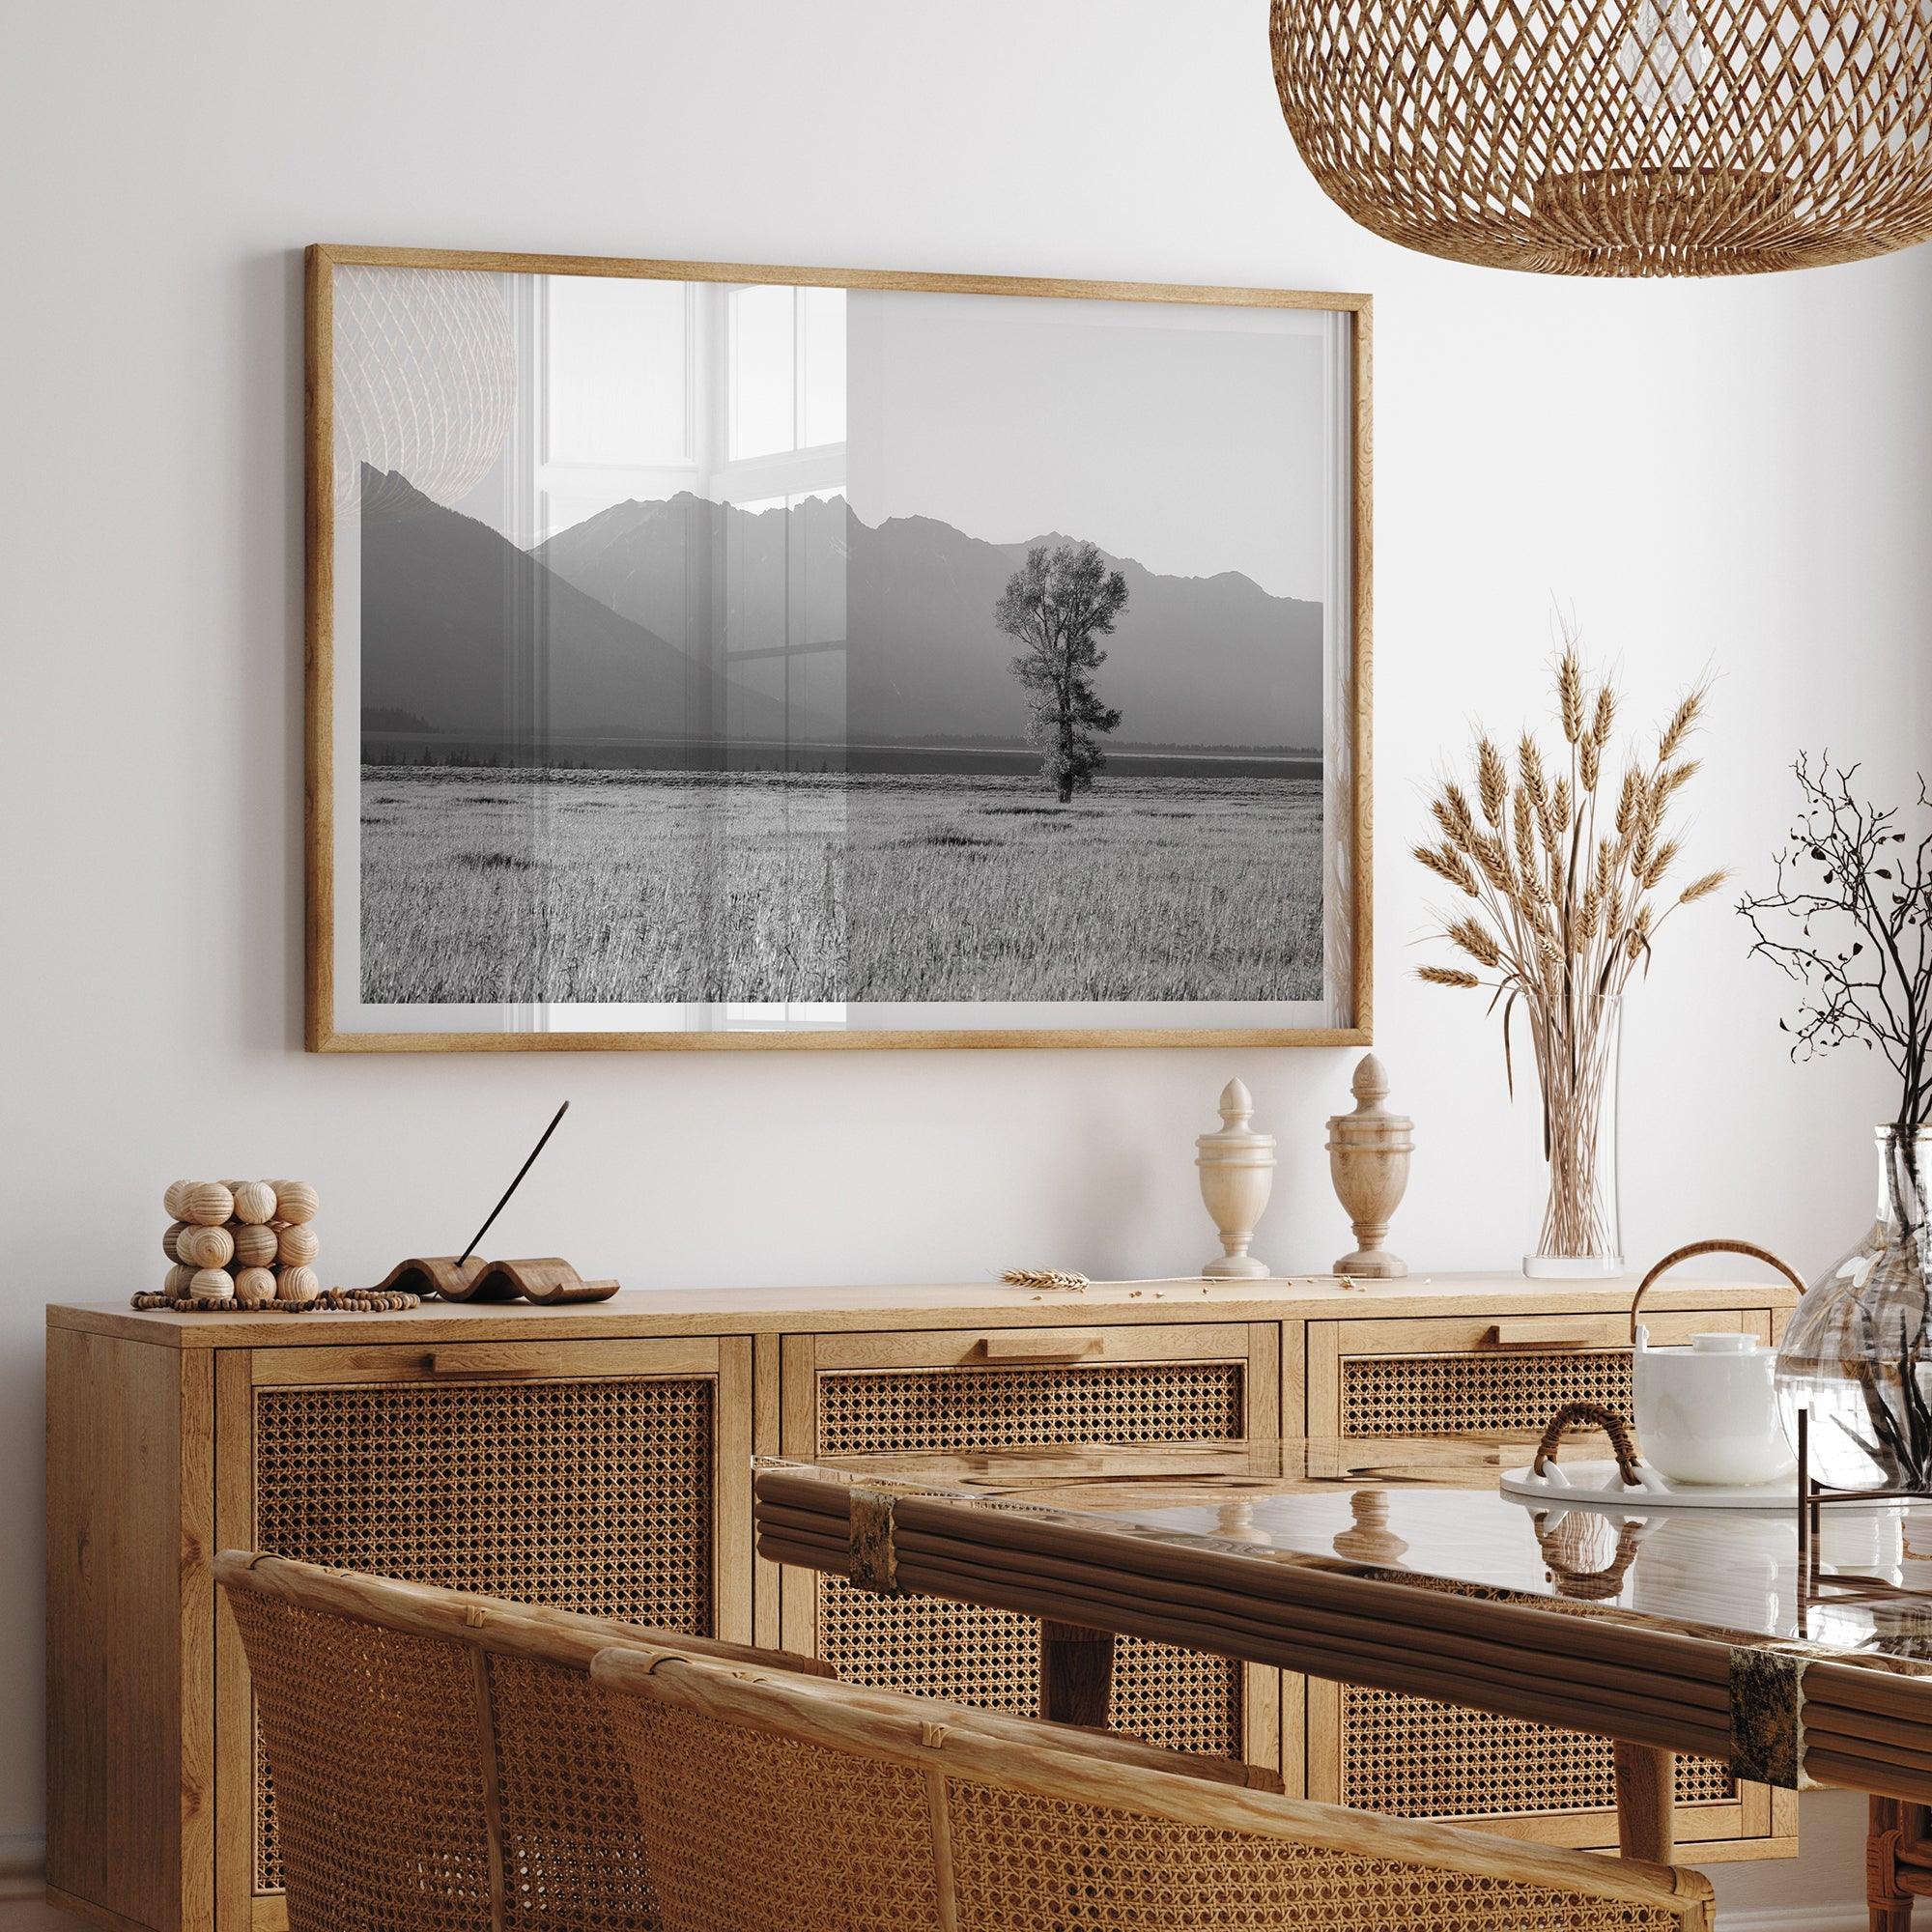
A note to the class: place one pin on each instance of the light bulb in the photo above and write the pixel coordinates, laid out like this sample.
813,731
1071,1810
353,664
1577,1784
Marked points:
1663,55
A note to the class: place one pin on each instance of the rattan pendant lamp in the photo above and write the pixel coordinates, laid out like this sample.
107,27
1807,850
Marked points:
1618,137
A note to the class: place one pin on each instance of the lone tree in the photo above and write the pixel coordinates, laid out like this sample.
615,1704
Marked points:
1055,605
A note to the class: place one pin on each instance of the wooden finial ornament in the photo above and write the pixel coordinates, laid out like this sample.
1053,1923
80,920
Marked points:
1237,1178
1368,1159
1369,1539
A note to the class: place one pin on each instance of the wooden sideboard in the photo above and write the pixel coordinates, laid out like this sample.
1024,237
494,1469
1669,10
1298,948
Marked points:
598,1458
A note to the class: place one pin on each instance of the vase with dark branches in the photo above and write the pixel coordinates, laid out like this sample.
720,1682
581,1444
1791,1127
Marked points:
1849,919
1564,875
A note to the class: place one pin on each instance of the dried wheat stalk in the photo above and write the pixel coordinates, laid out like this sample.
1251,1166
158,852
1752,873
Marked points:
1563,900
1064,1279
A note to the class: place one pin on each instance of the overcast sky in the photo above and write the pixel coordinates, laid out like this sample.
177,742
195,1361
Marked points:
1192,439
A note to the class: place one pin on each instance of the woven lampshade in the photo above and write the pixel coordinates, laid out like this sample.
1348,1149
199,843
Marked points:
1618,137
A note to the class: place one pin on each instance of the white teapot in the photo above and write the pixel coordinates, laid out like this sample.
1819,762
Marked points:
1709,1413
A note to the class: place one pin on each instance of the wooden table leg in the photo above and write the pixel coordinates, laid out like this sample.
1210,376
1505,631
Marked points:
1888,1901
1646,1786
1076,1673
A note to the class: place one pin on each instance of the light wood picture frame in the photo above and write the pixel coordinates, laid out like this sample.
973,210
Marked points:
718,656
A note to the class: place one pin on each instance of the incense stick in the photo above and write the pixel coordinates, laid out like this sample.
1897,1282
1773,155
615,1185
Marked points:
477,1236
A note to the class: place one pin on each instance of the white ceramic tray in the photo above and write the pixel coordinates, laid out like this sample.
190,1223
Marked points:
1597,1485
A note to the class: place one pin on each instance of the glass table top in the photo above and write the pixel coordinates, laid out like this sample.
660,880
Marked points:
1431,1507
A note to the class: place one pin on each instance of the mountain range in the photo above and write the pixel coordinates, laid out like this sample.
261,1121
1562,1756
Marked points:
478,639
683,618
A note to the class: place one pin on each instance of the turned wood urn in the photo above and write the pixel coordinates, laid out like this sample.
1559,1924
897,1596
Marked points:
1368,1159
1237,1178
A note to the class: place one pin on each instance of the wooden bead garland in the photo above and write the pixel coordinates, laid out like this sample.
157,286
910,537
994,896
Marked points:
331,1300
249,1244
354,1302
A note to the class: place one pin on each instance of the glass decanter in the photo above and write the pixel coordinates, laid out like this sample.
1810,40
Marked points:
1857,1353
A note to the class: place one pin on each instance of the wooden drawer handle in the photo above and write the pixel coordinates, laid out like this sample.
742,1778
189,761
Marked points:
456,1366
1057,1347
1538,1332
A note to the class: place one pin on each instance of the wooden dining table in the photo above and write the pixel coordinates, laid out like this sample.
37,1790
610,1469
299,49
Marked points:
1403,1566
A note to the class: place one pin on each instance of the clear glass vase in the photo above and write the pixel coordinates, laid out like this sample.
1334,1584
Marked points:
1857,1352
1576,1217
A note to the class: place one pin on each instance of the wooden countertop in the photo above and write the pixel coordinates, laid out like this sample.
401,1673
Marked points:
745,1311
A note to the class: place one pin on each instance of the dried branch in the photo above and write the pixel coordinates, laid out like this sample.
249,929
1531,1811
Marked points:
1849,919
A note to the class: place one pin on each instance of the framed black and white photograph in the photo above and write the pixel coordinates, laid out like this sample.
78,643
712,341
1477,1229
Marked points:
711,656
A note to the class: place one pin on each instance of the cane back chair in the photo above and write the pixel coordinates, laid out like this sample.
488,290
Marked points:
442,1763
871,1812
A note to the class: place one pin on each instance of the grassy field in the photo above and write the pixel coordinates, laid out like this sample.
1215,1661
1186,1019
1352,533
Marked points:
484,886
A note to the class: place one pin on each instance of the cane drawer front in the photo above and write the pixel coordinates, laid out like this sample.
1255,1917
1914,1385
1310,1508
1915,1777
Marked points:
582,1475
1411,1756
955,1391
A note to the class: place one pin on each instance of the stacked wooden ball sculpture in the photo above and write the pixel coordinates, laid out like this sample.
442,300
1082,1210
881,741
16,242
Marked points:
240,1243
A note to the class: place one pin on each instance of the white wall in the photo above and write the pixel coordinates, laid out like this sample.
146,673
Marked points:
1731,474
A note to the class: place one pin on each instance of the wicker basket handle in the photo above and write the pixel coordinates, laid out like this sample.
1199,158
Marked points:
1590,1586
1574,1413
1670,1261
